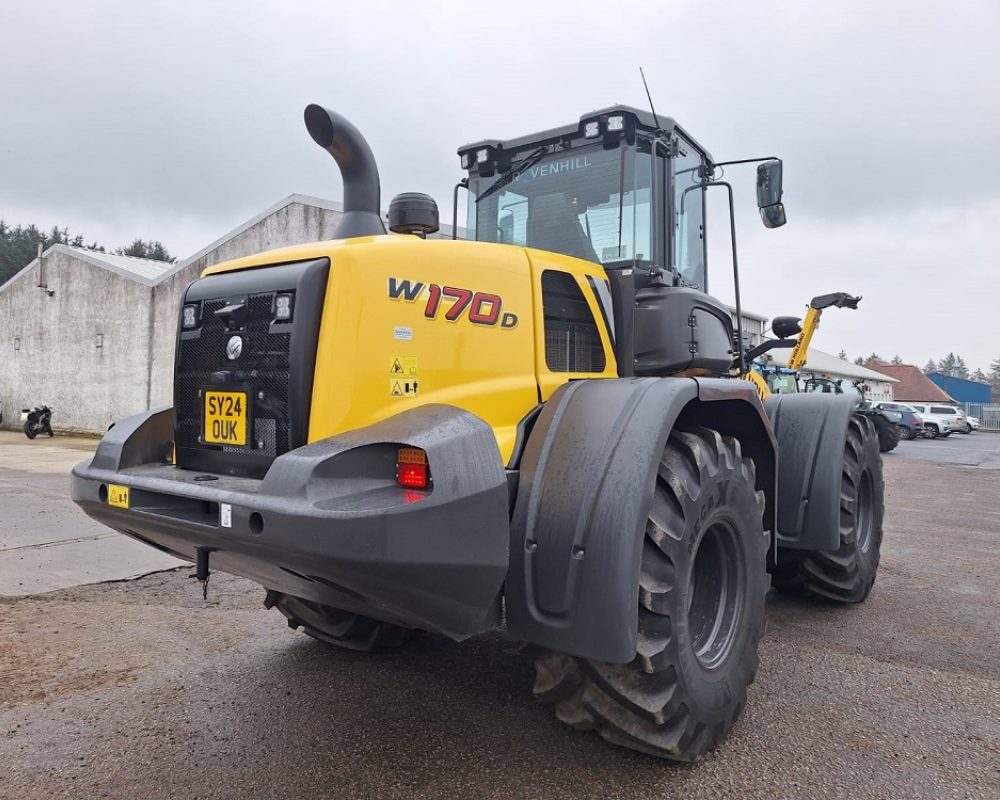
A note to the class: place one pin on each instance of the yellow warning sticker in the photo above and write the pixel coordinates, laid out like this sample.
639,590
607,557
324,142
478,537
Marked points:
403,365
117,496
403,387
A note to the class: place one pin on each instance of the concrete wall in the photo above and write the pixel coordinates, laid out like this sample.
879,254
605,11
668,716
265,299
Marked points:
57,361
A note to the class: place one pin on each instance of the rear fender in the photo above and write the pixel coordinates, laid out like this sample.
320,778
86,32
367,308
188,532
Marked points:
810,430
586,484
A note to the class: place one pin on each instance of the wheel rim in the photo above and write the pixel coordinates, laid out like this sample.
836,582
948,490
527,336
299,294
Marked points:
864,512
716,598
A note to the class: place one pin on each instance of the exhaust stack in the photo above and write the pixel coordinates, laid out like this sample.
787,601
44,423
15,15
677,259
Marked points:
349,149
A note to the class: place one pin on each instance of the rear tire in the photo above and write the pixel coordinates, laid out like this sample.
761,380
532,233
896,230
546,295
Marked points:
905,433
847,574
340,628
702,583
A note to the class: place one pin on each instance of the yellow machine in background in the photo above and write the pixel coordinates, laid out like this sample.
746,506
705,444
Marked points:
785,327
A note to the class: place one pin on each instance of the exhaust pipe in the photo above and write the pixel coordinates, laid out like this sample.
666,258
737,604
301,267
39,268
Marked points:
362,216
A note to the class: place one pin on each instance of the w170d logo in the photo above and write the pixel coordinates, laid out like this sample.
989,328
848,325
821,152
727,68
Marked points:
482,308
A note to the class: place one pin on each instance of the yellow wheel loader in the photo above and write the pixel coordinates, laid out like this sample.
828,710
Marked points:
539,430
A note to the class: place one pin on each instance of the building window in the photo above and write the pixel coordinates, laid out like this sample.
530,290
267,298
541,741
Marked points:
572,340
99,341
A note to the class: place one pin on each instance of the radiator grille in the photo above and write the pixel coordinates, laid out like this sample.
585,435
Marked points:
263,368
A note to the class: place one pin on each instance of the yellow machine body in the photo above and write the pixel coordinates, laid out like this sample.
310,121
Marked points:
407,322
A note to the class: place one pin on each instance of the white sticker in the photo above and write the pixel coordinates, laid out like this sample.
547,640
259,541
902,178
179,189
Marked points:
225,515
402,332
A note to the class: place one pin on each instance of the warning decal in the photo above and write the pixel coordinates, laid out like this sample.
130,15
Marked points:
403,365
402,387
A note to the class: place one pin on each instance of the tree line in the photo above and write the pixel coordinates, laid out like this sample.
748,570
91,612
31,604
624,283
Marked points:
952,364
19,246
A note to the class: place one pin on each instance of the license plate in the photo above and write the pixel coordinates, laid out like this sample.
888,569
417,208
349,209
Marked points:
117,496
225,418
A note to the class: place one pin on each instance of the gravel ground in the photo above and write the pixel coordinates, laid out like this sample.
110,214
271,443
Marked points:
140,689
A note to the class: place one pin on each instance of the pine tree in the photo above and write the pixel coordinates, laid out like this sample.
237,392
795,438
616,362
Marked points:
930,367
859,361
947,364
874,358
979,376
143,249
995,370
842,355
960,370
896,360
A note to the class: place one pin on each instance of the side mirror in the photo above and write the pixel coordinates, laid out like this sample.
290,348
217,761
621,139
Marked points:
783,327
772,210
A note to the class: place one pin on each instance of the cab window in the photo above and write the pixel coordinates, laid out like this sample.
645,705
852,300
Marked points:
689,215
572,339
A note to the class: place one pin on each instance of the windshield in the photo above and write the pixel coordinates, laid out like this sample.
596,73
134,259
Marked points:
588,202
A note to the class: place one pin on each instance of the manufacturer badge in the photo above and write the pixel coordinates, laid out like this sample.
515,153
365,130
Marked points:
234,347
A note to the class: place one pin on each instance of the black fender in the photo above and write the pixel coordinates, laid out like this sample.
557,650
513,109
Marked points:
586,484
810,430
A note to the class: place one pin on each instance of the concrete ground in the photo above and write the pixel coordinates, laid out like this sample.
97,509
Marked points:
142,689
46,542
979,449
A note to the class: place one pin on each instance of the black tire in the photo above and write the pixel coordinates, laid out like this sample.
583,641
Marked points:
340,628
968,428
847,574
905,433
29,430
888,434
702,584
931,432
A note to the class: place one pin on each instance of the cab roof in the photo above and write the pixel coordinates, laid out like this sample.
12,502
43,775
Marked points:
642,120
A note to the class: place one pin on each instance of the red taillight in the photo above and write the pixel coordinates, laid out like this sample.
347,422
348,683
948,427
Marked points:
411,468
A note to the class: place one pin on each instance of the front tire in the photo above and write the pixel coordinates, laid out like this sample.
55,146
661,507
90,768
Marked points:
702,583
905,433
847,574
340,628
29,430
888,434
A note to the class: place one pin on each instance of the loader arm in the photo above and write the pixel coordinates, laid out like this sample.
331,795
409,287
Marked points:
800,352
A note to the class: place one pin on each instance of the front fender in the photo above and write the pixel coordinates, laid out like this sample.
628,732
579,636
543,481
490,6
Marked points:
586,484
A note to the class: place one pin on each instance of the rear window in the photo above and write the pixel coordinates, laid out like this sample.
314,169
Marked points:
572,341
943,410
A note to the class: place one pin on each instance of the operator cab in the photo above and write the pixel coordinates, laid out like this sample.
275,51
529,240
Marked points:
594,191
625,189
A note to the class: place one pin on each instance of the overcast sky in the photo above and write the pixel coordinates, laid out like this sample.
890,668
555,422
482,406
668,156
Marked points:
176,122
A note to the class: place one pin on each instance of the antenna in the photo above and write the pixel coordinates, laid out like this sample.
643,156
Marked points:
649,97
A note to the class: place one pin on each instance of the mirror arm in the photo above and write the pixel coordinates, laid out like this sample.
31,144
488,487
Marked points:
743,161
740,359
462,184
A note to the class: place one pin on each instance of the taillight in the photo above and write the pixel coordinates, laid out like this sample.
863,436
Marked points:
411,468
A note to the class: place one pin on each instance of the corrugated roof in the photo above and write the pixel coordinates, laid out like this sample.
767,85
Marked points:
145,269
914,386
825,363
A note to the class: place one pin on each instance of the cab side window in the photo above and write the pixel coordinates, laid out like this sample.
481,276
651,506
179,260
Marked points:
572,339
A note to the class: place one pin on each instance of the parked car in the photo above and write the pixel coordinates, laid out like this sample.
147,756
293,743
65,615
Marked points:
911,424
948,418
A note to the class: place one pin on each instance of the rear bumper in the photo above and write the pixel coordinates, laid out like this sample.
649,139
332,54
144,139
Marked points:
328,522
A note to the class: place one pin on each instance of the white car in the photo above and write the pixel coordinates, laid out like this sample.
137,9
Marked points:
947,419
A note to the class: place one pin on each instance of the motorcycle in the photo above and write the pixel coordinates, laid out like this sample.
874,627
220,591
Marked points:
39,420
